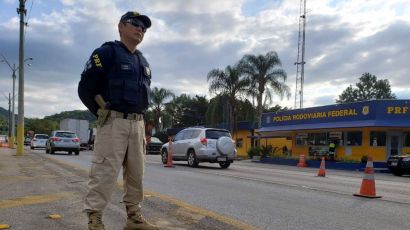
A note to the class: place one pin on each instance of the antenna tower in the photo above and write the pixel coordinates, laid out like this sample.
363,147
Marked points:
300,63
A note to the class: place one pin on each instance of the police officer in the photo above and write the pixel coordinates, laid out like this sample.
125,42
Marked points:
115,86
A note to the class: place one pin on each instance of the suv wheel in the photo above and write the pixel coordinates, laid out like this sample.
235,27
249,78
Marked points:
77,152
192,161
47,150
164,156
224,164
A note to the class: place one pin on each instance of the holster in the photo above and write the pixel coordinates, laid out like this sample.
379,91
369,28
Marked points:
103,115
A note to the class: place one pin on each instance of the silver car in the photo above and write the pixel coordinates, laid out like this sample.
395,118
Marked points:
38,141
197,145
62,140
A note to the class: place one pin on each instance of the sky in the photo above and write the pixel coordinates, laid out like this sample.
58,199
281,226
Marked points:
188,38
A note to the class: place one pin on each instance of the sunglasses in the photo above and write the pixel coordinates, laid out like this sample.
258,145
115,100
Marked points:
137,23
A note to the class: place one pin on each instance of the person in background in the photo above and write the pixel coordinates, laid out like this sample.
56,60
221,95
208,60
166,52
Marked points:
115,86
332,149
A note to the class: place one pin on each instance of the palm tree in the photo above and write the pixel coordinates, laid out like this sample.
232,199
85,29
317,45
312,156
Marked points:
158,103
266,75
228,82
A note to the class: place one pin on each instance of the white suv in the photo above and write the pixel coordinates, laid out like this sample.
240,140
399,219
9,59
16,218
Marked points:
201,145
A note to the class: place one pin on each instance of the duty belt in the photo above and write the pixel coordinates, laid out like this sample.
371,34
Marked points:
129,116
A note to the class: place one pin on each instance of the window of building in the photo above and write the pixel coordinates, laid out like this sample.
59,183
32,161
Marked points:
377,138
317,139
336,138
301,138
407,139
354,138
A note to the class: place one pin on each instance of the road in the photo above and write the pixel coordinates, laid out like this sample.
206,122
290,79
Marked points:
275,196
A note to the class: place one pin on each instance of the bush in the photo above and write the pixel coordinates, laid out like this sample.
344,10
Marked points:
254,151
266,151
346,159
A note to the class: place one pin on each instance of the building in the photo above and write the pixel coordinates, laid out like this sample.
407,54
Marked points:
379,128
245,138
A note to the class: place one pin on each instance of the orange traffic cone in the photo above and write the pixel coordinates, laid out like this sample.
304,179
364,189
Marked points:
302,162
322,170
368,188
169,155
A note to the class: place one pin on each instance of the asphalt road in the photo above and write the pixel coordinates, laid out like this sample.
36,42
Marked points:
275,196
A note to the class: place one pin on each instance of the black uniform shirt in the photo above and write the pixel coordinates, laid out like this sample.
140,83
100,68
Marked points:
94,77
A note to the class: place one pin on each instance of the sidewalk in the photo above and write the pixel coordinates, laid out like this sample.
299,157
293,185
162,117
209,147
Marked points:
33,187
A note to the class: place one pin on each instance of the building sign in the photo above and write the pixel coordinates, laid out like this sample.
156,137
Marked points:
368,110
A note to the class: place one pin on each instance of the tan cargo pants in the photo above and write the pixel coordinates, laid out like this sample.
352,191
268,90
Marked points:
119,142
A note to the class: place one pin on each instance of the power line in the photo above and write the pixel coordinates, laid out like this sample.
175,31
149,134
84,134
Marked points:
28,18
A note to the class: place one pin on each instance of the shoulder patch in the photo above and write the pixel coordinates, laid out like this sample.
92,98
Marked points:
147,71
97,61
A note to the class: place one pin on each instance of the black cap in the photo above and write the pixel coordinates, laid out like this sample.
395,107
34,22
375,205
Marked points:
133,14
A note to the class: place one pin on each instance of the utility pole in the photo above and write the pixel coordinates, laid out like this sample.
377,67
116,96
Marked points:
13,116
9,98
20,126
13,96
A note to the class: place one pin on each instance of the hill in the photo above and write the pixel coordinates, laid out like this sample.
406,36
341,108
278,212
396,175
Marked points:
48,123
4,112
74,114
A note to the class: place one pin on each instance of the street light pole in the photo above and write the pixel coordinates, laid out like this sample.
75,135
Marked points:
13,96
13,117
20,126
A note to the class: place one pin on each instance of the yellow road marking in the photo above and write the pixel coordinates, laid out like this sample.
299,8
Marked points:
233,222
54,216
4,226
29,200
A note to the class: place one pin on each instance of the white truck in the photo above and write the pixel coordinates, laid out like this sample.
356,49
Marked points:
80,127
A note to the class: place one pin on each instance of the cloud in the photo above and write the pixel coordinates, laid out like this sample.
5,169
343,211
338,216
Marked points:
189,38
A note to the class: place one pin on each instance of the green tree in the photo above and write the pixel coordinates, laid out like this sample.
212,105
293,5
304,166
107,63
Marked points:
274,109
185,110
368,88
193,113
159,96
41,125
4,125
228,82
267,76
245,111
217,105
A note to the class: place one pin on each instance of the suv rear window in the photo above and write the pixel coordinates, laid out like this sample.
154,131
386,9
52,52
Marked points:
216,134
41,136
65,134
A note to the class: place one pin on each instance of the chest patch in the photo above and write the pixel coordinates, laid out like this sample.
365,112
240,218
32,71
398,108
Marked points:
125,66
